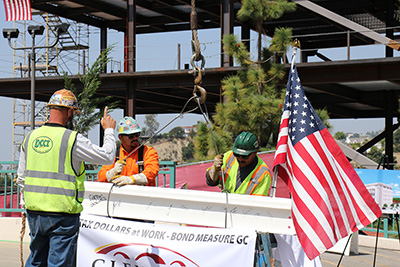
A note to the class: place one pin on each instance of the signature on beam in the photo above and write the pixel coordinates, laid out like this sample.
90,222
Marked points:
96,199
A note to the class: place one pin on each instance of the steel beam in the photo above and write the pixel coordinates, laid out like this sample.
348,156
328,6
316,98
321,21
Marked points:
348,24
264,214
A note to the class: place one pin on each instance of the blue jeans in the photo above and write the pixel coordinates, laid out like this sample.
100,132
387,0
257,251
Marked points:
53,240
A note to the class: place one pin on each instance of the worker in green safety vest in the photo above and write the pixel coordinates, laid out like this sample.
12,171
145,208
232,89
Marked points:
51,172
242,170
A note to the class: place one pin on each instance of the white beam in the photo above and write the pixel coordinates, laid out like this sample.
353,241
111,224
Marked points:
349,24
364,161
192,207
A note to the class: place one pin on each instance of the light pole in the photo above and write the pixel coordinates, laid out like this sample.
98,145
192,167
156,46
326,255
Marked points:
33,30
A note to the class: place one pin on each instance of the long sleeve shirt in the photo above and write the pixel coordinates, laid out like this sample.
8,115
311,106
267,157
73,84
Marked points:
83,151
150,160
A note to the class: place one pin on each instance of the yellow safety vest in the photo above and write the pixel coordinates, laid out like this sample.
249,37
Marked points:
51,184
257,182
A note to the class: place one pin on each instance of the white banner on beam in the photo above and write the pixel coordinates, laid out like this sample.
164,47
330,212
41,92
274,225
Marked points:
263,214
112,242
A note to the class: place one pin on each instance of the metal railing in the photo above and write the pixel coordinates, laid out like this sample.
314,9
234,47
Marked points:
10,192
386,220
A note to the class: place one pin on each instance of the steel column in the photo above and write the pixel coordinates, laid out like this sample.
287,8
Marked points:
130,109
131,58
103,44
389,25
246,35
227,19
389,129
131,36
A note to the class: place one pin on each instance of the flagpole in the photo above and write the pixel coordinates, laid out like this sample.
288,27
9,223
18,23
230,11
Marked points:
274,181
296,45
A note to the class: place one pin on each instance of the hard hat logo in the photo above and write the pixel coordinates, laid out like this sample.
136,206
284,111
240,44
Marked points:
245,144
128,125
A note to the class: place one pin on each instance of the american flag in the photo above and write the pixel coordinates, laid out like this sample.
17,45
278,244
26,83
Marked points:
329,200
18,10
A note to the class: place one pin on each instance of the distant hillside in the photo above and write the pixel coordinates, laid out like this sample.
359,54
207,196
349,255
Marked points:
170,149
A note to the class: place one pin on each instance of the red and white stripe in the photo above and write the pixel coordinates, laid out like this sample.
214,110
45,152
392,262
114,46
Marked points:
18,10
329,200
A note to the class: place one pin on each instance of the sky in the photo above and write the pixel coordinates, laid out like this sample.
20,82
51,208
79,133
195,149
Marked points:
159,52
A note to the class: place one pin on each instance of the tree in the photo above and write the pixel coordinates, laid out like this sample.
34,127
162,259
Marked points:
375,154
372,133
90,105
176,132
188,152
259,11
151,123
324,116
340,136
252,98
396,140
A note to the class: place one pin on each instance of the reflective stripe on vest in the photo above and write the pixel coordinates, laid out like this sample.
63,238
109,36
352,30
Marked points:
60,175
52,187
255,180
229,164
49,190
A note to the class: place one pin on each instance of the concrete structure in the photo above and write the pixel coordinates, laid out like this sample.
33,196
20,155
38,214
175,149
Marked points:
382,193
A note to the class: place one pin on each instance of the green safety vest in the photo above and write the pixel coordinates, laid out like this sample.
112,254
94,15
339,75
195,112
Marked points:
51,184
257,182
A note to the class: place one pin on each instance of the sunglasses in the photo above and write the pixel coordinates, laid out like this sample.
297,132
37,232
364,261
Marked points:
131,136
241,156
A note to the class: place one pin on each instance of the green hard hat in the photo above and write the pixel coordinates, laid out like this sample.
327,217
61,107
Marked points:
128,125
245,144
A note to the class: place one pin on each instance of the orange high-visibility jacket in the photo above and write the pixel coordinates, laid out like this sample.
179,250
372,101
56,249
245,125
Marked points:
151,166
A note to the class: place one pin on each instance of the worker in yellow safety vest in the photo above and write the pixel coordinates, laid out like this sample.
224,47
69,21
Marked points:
51,172
243,171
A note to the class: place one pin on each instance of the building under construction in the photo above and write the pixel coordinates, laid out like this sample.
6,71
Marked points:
69,55
347,88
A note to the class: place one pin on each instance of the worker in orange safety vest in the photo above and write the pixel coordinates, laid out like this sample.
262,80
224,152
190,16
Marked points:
140,168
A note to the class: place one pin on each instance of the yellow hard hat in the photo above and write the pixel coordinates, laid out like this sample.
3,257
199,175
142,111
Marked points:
63,98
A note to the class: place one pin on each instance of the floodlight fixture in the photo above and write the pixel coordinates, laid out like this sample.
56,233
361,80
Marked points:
61,28
35,29
10,33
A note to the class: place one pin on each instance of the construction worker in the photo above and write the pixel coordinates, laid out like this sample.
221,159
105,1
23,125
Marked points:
140,167
52,174
246,173
243,170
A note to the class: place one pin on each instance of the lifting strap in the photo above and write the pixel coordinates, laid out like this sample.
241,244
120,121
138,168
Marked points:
140,161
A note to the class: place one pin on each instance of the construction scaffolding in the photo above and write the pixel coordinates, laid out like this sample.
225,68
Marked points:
70,55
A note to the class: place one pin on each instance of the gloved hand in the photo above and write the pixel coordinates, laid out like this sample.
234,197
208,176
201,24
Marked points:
218,162
123,180
215,169
118,167
139,179
22,201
